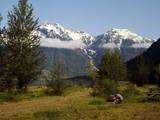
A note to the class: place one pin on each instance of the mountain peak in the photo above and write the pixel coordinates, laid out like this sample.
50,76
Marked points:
120,31
46,23
57,25
124,34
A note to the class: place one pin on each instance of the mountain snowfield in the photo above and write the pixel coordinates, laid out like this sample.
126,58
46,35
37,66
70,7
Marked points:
56,36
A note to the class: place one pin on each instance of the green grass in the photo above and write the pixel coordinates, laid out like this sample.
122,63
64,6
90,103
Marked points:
47,114
97,101
71,90
17,95
34,93
95,108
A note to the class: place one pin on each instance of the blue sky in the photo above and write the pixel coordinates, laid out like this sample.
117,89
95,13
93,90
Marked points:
96,16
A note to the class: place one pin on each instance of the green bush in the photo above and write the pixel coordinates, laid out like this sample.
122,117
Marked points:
132,94
48,91
81,83
105,87
10,96
56,79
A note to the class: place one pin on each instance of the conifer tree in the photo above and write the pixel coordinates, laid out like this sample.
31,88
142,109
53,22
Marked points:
1,46
112,66
140,73
5,78
56,79
24,59
2,83
157,75
2,50
111,70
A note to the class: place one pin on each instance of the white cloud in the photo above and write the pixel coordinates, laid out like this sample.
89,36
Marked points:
136,45
110,46
56,43
141,45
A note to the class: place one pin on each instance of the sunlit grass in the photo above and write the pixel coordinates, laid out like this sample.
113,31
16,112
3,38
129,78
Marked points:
89,108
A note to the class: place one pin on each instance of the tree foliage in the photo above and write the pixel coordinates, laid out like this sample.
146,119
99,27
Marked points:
112,66
56,77
1,46
24,60
2,50
140,73
157,74
111,70
5,81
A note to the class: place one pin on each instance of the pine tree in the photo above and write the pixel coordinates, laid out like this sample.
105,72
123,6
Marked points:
24,59
3,85
56,79
140,73
111,70
2,50
1,46
157,75
112,66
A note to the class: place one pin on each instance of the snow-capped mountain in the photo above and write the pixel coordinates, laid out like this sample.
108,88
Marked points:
118,38
121,38
78,47
122,34
58,32
130,44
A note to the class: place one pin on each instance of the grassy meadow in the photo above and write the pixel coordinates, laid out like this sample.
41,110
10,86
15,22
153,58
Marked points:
76,103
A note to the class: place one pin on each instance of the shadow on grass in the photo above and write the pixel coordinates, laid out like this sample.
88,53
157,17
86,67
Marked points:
97,102
49,114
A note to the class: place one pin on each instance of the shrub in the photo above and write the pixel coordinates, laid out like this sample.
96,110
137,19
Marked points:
57,79
81,83
106,87
131,94
10,96
48,91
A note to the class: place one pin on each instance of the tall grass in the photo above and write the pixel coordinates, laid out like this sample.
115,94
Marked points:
10,96
132,94
19,95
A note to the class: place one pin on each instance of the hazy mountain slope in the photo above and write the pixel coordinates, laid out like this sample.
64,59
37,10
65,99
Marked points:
74,61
